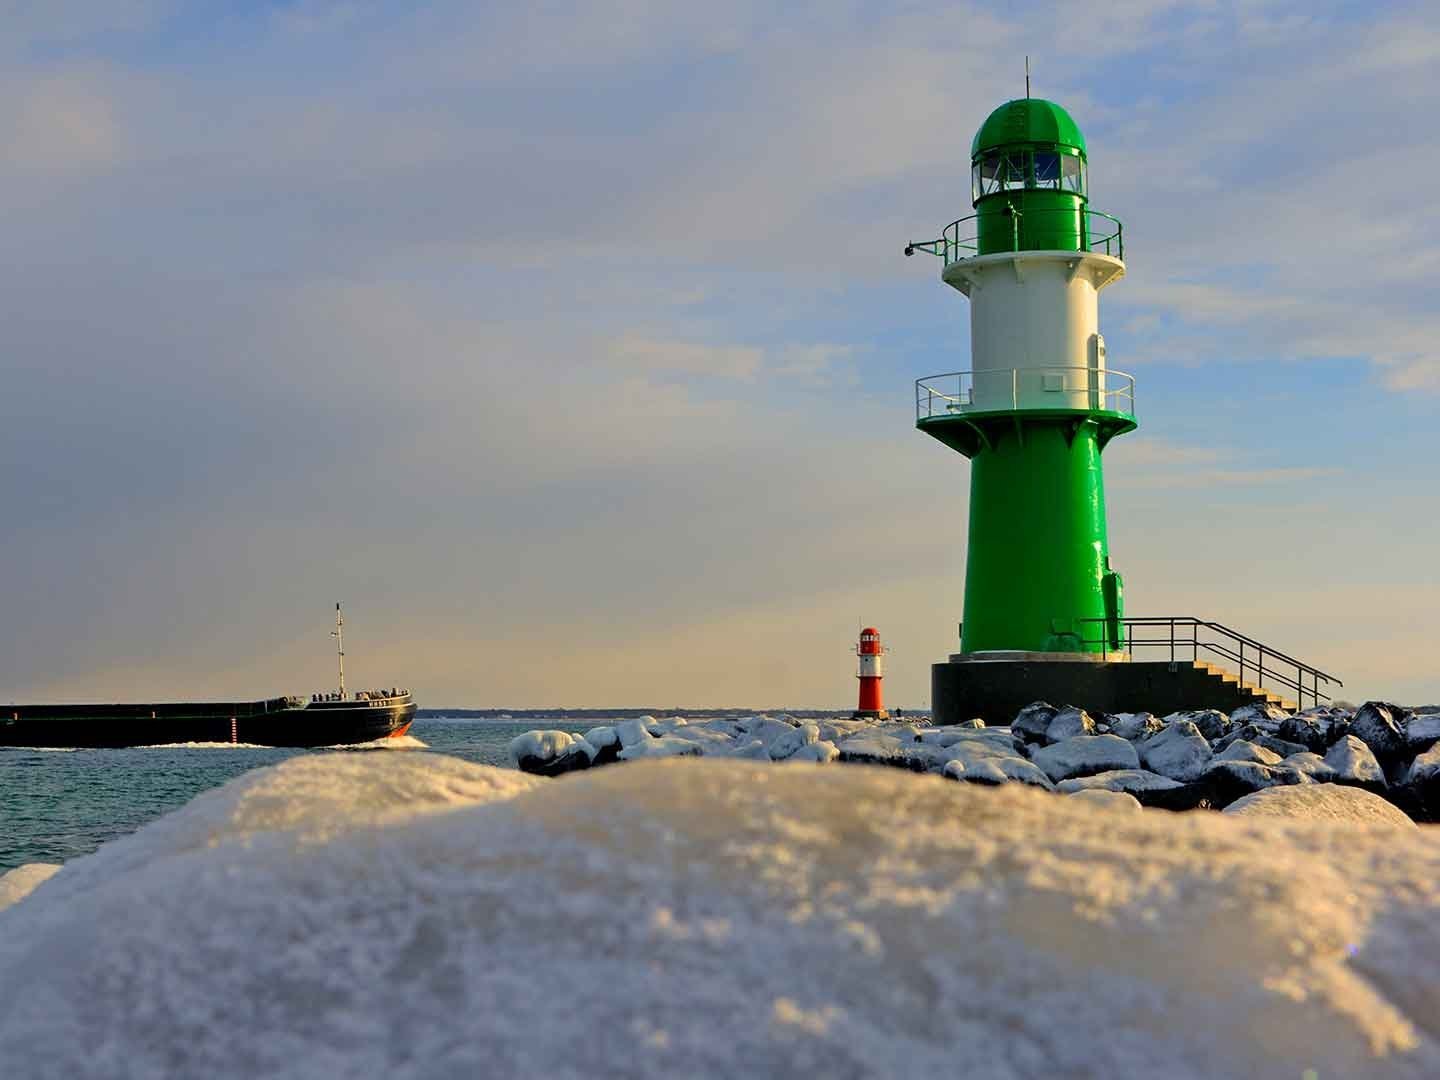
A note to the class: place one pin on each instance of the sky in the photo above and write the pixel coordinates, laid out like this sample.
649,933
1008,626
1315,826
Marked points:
572,346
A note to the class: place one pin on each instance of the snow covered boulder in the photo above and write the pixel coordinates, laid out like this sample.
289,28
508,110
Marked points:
1422,731
1354,764
19,883
1068,723
1212,724
1320,802
1240,750
827,917
1310,730
606,743
1108,800
550,753
1312,765
1425,769
635,731
1179,752
1127,780
1085,755
1265,715
1232,779
791,741
819,752
878,749
1380,726
664,746
1033,721
1134,727
990,761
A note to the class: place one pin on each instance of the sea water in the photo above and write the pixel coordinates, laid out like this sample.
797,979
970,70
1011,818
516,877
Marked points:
56,805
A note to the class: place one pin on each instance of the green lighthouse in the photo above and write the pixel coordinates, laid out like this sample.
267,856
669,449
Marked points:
1039,405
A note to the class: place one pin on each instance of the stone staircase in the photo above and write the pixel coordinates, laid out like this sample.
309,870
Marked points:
1252,694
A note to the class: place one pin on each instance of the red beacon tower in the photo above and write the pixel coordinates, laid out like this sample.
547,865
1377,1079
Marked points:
871,653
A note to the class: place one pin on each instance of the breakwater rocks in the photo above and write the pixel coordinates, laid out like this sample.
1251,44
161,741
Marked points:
1188,760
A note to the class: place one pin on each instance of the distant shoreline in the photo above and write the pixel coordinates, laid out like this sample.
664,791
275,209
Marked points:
602,714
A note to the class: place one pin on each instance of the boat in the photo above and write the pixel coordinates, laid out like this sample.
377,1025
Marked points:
332,718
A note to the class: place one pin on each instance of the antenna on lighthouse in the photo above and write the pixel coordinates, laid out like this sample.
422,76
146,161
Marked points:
339,635
1027,77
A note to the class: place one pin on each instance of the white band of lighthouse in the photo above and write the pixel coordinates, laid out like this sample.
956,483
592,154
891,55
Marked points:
870,666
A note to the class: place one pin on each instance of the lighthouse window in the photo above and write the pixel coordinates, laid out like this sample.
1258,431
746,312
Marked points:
990,170
1073,170
1013,172
1047,170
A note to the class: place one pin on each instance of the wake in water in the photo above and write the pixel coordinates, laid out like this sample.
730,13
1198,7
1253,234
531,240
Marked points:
392,742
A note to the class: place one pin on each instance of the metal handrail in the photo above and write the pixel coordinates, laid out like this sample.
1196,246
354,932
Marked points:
952,246
933,401
1233,649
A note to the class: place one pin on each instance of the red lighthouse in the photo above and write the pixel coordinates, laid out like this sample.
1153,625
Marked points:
871,653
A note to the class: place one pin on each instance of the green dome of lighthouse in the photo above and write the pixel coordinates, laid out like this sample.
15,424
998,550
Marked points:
1028,121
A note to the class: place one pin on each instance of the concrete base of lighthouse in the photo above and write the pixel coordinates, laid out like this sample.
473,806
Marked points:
870,714
996,686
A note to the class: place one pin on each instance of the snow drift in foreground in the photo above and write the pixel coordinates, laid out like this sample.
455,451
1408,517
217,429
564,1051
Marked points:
416,916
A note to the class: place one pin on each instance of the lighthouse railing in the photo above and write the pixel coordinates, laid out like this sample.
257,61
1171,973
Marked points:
1085,389
1182,634
1095,231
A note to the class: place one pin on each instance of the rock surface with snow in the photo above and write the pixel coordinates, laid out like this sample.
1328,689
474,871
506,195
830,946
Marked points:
1321,802
415,916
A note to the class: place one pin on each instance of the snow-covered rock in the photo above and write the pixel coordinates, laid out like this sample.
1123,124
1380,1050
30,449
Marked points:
987,761
1265,715
550,753
1130,780
634,731
1354,763
1085,755
1380,726
1134,726
20,882
1240,750
1312,765
1321,802
662,746
1212,724
1422,731
1425,769
790,743
1314,731
718,918
1033,721
1109,800
1179,752
820,752
1229,780
1069,723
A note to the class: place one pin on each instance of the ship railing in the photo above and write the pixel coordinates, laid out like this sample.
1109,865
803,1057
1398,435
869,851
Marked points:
959,393
1098,232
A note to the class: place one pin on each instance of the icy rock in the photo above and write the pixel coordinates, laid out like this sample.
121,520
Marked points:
1265,715
550,753
1033,721
1321,802
820,752
790,743
1212,724
662,746
1085,755
875,749
989,761
665,895
753,750
973,723
601,737
1240,750
1380,726
1229,780
1134,726
1106,799
1425,769
1069,723
1312,765
20,882
1307,730
1277,745
1422,731
1354,763
633,732
1179,752
1127,780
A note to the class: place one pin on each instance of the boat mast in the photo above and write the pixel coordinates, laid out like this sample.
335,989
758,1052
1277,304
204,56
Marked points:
339,635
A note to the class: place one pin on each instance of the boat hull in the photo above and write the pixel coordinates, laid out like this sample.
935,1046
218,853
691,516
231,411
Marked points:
270,722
